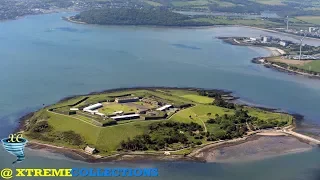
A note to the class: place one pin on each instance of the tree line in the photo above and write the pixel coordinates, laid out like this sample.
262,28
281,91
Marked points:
145,16
162,135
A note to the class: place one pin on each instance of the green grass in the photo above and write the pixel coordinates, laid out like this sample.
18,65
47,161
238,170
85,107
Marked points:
110,137
63,123
84,118
169,97
201,3
178,92
68,102
269,116
111,108
201,111
102,138
311,66
152,3
310,19
198,98
190,3
222,20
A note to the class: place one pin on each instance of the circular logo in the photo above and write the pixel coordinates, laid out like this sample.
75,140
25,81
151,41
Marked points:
6,173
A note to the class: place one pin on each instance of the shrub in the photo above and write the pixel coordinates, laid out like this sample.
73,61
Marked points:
41,126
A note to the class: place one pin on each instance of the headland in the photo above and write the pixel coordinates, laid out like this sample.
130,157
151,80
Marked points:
286,56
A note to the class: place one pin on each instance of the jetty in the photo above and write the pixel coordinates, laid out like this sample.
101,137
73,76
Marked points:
301,136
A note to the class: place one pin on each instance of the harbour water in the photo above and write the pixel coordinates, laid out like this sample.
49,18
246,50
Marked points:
43,59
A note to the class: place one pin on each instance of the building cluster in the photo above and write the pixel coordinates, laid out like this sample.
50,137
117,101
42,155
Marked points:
93,109
309,31
303,57
267,40
121,115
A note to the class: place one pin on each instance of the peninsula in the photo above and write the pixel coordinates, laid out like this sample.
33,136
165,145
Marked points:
162,123
286,56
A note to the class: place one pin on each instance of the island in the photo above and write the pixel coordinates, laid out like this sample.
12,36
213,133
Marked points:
286,56
156,122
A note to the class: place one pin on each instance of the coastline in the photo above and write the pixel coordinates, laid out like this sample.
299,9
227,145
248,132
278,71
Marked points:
273,53
267,64
195,156
78,154
200,27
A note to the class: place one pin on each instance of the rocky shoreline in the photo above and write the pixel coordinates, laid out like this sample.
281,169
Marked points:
258,60
202,154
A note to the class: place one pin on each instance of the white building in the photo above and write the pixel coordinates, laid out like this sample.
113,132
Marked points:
283,43
266,39
100,114
164,107
126,117
253,39
312,29
93,107
117,112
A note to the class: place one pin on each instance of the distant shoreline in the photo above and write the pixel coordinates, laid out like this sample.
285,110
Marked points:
273,52
69,19
79,154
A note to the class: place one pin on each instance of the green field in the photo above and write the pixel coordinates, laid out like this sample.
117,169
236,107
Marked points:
188,3
311,66
269,116
310,19
111,108
222,20
198,113
103,138
198,98
152,3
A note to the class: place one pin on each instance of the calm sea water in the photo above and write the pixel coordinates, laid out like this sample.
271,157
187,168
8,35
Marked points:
43,59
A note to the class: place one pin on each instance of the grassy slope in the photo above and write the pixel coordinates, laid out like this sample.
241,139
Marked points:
198,98
199,112
103,138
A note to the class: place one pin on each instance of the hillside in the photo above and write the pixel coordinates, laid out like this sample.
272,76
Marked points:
124,16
